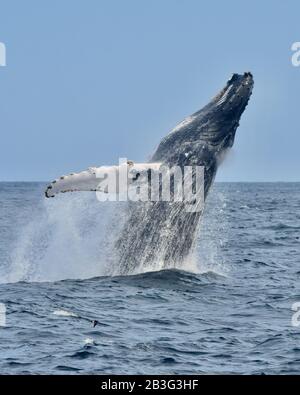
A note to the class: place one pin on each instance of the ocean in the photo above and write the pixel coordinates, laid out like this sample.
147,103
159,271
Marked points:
227,310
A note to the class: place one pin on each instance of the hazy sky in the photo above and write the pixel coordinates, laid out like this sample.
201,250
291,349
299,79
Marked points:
87,82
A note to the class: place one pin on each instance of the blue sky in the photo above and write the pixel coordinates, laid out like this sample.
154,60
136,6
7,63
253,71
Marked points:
87,82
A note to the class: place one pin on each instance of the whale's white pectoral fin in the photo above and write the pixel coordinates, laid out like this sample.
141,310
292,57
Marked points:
96,178
83,181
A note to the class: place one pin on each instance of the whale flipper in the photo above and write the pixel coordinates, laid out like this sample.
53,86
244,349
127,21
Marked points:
95,178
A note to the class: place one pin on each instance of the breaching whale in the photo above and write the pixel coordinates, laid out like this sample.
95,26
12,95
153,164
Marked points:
164,232
160,234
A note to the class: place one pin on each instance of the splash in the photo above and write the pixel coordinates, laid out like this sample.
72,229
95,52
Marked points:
67,238
212,235
73,237
207,250
64,313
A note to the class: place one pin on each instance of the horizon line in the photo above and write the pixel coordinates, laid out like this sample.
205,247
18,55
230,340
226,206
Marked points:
216,182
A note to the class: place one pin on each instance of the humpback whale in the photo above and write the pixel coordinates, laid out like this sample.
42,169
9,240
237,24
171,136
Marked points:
163,232
160,231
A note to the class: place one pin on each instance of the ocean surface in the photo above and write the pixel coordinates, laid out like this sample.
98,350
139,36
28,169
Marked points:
228,309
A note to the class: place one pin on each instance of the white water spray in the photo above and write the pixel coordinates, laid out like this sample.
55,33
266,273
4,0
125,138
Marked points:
67,237
73,236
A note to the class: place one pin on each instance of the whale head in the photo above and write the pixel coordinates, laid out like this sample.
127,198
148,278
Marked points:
204,137
224,112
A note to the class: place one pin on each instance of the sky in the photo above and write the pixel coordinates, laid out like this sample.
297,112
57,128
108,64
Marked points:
87,82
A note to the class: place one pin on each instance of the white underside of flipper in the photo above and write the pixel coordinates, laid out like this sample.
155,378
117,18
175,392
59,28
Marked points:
95,178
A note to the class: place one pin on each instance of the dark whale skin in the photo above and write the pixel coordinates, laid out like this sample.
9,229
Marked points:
164,233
